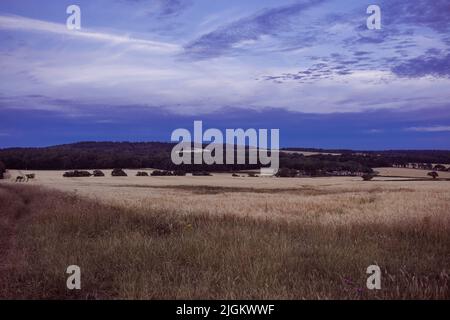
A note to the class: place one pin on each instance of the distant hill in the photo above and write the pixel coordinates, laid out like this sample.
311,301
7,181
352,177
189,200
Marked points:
385,157
93,155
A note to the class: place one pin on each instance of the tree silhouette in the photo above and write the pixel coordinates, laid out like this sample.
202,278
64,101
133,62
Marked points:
439,167
118,173
367,176
433,174
98,173
2,169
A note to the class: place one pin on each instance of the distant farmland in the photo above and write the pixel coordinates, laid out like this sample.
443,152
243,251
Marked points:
409,173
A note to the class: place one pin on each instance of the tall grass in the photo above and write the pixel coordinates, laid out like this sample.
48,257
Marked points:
135,253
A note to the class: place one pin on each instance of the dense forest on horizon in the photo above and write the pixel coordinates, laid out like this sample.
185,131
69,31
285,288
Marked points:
133,155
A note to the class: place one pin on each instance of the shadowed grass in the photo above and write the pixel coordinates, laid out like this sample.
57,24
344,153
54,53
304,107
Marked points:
303,190
125,253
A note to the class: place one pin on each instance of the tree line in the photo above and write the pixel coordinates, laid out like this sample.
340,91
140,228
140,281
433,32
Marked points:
385,158
98,155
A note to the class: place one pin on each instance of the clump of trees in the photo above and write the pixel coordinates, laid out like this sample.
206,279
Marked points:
118,173
77,174
439,167
287,173
161,173
433,174
86,155
201,174
367,176
164,173
141,174
2,170
179,173
98,173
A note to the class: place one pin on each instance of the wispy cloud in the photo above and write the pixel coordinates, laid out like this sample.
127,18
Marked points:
268,22
429,129
418,13
425,65
300,55
173,7
374,131
19,23
163,8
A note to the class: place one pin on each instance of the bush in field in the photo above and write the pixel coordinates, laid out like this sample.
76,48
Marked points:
439,167
141,174
287,173
98,173
2,169
179,173
118,173
77,174
161,173
433,174
367,176
69,174
235,175
201,174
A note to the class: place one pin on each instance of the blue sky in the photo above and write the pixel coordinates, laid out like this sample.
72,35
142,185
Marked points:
138,69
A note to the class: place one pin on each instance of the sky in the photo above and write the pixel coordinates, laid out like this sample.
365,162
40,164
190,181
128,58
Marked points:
139,69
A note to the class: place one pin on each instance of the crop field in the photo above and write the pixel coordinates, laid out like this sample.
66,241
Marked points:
409,173
224,237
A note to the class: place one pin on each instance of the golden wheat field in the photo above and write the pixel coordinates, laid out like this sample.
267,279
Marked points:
326,200
224,237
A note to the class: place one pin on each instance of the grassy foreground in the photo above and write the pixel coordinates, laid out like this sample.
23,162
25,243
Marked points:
131,253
